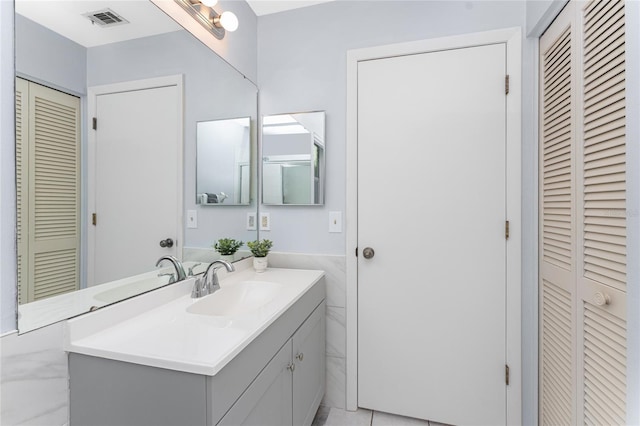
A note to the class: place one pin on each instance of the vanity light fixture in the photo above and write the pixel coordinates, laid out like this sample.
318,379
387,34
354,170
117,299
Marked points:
202,11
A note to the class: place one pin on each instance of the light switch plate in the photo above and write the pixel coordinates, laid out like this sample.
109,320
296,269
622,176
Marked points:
335,221
265,222
251,221
192,218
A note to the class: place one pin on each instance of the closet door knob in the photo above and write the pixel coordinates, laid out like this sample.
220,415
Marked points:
300,356
601,299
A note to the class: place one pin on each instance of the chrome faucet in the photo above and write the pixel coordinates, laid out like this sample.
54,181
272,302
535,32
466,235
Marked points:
176,264
209,283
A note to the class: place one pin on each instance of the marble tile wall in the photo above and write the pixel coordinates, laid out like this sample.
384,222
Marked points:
34,378
335,268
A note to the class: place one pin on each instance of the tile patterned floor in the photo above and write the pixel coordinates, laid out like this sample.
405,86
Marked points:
327,416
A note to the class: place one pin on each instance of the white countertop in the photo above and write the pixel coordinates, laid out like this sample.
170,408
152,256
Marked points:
156,330
43,312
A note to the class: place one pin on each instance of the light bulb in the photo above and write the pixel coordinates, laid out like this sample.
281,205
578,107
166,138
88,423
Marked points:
229,21
209,3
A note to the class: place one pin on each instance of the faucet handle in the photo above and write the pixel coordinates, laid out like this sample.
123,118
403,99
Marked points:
190,273
198,288
172,277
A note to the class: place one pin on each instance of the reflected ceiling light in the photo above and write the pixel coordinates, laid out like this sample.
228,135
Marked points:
278,119
202,11
228,21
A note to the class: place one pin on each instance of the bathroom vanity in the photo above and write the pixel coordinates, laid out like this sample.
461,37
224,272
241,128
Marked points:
251,353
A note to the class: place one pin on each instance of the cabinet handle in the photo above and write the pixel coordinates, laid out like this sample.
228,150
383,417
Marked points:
291,367
300,356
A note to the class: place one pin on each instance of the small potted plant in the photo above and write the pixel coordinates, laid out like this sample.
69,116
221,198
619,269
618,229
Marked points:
227,247
260,250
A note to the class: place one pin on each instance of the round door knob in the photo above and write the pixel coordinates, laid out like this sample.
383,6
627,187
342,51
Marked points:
601,299
300,356
368,253
166,243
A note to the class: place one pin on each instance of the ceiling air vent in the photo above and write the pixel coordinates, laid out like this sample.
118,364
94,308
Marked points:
106,17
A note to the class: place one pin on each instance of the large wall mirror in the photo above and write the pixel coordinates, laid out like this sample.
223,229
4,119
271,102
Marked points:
293,158
81,244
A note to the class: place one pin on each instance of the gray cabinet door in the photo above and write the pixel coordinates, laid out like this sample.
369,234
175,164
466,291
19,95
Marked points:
309,374
105,392
267,402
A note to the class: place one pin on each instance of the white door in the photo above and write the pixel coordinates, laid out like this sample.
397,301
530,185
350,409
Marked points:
431,203
138,180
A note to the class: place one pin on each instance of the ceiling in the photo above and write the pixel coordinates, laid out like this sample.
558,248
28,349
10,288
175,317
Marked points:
266,7
65,18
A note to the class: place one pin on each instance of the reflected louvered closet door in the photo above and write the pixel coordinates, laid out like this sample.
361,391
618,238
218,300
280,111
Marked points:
22,188
602,277
583,273
50,217
557,220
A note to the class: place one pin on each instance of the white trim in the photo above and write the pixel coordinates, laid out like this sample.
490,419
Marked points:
632,59
512,38
552,12
128,86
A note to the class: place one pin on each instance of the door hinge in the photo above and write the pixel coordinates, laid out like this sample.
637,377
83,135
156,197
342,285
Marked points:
506,84
94,219
95,123
506,229
506,374
356,251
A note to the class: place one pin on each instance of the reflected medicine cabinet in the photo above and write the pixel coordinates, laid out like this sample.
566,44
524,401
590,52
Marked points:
223,165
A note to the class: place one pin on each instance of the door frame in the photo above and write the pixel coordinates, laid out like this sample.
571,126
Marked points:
511,37
92,98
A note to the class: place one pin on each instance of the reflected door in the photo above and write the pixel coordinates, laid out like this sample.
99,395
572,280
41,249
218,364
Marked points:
431,203
138,180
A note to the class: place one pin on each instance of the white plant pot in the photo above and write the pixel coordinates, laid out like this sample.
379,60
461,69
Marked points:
228,257
260,264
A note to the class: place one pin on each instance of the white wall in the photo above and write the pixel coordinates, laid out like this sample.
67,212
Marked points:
48,58
302,67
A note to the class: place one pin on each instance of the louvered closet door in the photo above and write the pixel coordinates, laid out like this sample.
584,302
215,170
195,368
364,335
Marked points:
54,192
583,210
557,218
22,190
602,204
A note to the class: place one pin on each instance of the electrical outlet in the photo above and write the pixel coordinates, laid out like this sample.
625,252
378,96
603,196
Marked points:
251,222
265,222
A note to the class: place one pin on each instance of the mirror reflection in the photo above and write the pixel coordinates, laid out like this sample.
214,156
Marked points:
81,240
223,162
293,158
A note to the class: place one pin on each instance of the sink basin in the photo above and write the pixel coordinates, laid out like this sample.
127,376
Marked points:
237,299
